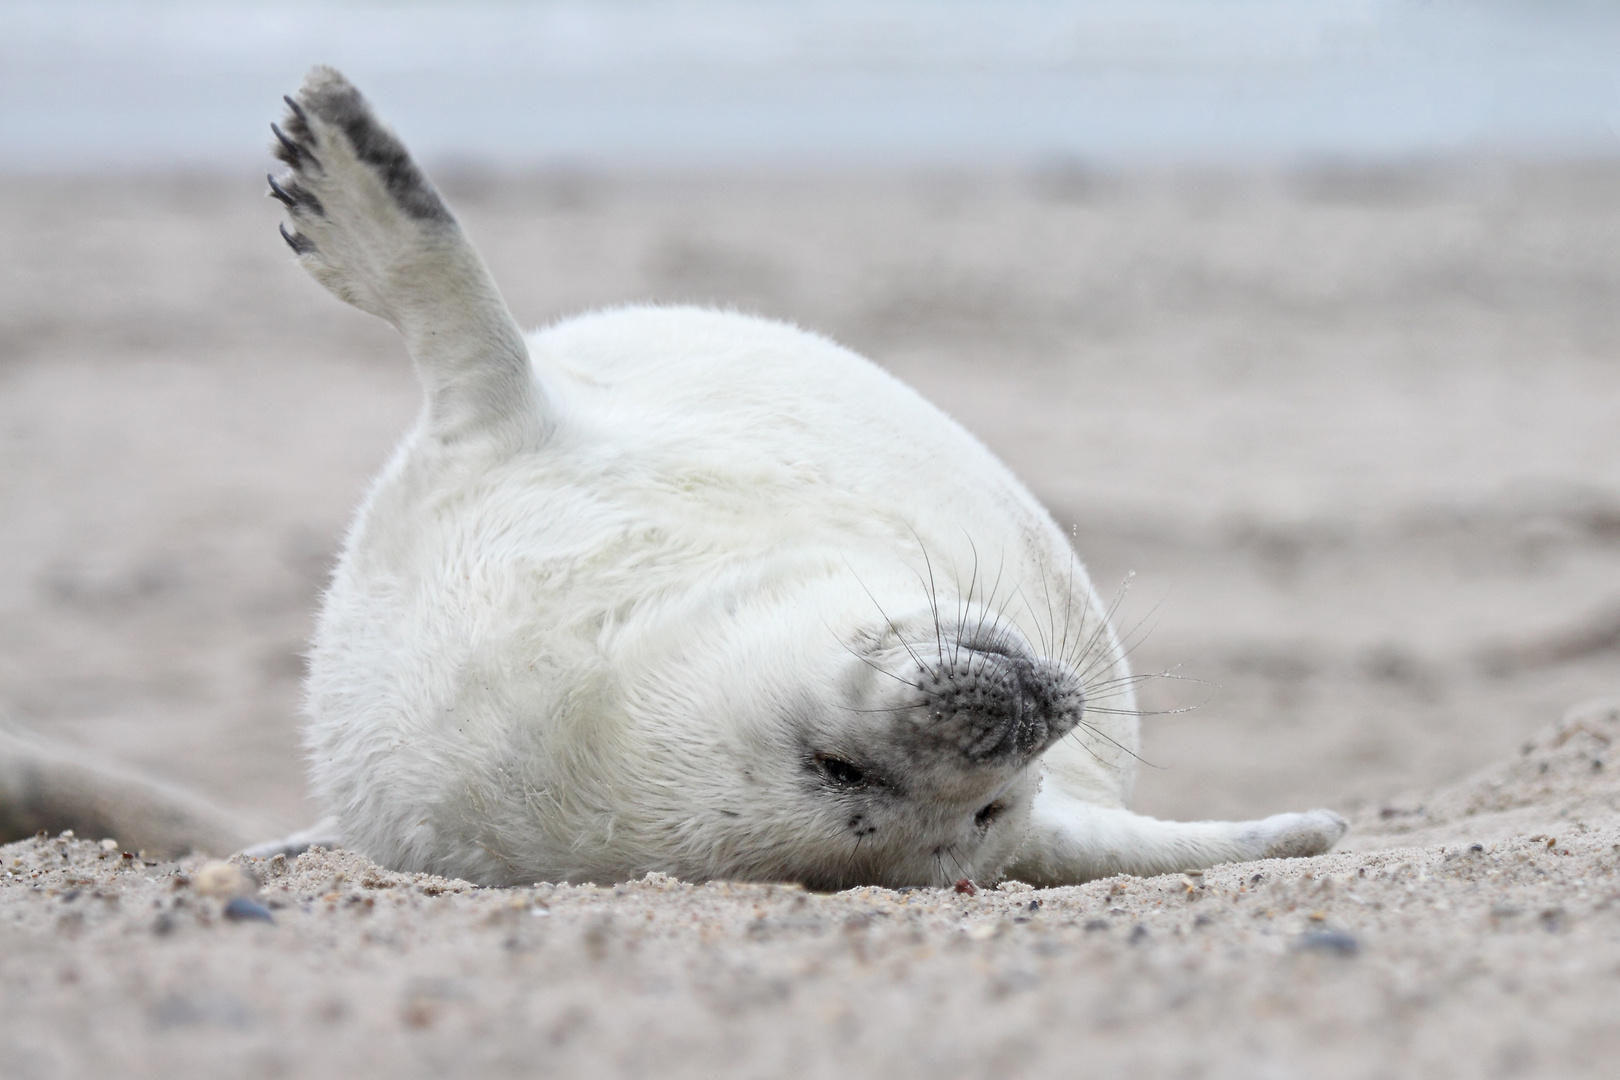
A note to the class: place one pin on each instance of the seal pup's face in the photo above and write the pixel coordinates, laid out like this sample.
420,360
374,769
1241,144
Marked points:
935,761
868,749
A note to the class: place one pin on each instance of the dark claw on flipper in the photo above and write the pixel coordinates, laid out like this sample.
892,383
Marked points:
300,121
278,192
296,196
290,151
301,245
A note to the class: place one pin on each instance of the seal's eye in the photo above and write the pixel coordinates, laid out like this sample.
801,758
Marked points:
840,771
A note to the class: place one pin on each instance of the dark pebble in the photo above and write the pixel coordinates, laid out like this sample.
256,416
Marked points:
1336,942
241,909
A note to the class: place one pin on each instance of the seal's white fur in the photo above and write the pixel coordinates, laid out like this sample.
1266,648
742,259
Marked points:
629,584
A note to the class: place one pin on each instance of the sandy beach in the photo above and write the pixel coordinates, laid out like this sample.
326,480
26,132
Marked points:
1347,433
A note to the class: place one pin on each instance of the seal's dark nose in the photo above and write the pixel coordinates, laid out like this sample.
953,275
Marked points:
997,706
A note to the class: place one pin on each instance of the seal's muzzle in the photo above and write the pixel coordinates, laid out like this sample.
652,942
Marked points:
998,706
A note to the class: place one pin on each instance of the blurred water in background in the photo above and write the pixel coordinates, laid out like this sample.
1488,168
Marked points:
93,84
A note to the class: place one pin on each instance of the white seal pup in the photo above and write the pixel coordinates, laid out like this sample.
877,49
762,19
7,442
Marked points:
668,589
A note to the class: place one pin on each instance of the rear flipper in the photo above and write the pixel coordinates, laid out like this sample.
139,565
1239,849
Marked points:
369,226
1071,841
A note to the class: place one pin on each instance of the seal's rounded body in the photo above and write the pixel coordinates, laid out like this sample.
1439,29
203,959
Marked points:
726,511
682,591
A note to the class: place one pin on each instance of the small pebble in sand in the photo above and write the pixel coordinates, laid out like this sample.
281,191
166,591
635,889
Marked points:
241,909
109,844
1332,942
966,887
223,880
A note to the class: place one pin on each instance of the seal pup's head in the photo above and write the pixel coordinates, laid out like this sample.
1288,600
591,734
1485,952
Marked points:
935,761
860,746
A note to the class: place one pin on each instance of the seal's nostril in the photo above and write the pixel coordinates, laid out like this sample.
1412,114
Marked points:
989,814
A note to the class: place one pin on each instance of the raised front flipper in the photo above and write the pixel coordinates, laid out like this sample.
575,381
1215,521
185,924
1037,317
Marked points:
1071,841
369,226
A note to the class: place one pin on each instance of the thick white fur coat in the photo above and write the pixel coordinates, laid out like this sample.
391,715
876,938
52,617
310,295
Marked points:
718,495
